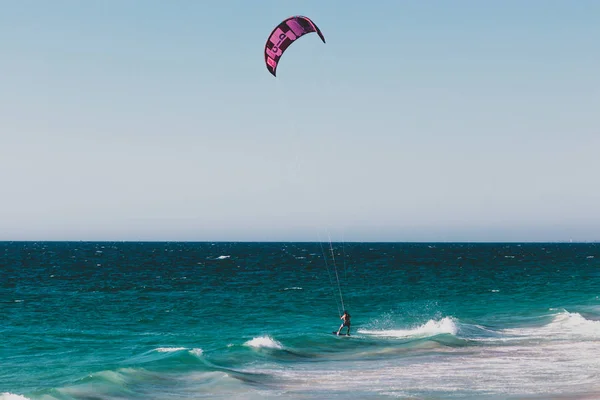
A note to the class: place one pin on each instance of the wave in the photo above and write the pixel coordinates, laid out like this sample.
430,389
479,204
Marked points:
169,349
192,351
176,357
126,383
11,396
264,342
196,352
446,325
120,383
564,325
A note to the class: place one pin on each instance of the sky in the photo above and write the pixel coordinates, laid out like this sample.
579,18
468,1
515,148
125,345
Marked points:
417,121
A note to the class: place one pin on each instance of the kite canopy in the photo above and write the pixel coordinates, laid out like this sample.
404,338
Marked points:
284,34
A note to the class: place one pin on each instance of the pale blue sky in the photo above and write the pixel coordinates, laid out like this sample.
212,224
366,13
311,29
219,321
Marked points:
417,121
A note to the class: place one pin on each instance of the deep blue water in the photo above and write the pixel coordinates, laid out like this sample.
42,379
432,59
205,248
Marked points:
81,320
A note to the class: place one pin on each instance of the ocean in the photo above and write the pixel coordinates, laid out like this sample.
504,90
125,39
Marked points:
171,320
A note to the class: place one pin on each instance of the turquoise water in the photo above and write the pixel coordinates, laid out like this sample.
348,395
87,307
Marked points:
254,320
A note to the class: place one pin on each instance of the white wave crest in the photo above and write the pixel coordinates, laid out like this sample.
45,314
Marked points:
430,328
196,352
264,342
563,325
222,257
169,349
293,288
10,396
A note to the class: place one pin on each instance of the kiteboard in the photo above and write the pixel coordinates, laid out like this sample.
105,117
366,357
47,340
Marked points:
341,334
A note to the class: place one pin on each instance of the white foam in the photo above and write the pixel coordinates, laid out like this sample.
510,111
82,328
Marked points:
169,349
564,325
575,323
11,396
293,288
494,372
265,342
196,352
430,328
222,257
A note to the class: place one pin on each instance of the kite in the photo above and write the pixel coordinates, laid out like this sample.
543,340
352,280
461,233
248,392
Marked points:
284,35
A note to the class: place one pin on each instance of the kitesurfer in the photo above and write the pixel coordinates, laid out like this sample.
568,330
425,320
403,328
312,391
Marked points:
346,318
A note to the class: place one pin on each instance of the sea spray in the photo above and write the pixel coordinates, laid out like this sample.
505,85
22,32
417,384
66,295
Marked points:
446,325
264,342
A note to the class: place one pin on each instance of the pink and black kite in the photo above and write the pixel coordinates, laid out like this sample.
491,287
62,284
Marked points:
284,35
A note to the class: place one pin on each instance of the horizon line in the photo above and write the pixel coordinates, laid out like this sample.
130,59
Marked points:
304,241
